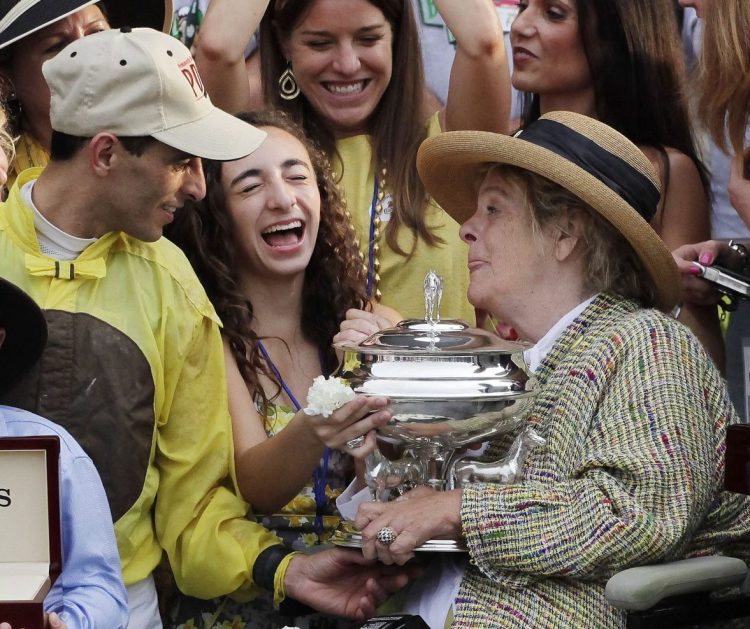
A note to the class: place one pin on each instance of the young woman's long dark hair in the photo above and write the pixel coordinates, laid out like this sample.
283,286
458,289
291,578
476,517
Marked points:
397,126
334,278
638,72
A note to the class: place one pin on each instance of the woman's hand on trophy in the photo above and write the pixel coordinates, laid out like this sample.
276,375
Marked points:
391,531
352,427
360,324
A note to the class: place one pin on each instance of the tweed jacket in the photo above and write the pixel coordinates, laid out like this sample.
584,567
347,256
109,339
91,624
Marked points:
634,414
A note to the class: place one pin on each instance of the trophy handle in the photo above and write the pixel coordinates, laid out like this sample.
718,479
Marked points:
383,475
450,469
508,470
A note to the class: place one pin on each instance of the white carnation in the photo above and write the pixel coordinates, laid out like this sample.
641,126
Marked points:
326,395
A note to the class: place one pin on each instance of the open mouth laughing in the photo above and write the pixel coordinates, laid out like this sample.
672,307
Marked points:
285,234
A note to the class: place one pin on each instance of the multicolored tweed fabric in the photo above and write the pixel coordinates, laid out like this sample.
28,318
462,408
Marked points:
635,415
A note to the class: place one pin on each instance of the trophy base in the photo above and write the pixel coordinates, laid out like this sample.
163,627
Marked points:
348,538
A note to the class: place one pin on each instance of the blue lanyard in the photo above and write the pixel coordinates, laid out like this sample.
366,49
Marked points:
371,248
320,473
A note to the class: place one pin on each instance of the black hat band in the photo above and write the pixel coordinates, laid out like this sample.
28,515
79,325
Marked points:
635,188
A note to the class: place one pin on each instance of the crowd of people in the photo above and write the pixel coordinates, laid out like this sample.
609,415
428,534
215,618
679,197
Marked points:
202,198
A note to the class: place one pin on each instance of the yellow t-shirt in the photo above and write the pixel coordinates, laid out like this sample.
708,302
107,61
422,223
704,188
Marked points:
402,278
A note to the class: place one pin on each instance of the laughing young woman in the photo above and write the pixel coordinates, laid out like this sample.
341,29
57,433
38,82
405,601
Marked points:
273,248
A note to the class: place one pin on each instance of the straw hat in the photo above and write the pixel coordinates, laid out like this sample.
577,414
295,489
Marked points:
590,159
25,333
19,18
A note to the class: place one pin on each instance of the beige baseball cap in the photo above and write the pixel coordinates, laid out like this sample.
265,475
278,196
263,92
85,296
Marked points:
136,82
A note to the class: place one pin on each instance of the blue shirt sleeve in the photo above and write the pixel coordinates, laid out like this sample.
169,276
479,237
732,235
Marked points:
90,592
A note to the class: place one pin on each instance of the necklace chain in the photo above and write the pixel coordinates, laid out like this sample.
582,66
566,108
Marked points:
373,262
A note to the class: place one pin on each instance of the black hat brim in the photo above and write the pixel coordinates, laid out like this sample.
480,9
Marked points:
156,14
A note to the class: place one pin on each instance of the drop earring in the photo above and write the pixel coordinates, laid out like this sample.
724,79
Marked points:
288,88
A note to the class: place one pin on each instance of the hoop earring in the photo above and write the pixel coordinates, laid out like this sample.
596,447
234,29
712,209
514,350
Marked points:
288,88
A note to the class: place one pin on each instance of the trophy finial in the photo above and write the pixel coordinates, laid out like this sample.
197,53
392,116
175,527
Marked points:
433,293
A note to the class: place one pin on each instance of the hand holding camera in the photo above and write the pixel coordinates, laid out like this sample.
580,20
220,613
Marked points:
713,272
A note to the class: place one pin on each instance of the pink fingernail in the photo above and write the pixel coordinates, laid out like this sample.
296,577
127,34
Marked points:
694,270
705,258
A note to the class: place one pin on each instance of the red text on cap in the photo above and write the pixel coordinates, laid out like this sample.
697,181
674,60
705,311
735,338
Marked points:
190,72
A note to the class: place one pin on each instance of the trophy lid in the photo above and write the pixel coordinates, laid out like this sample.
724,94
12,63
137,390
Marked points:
420,360
420,337
431,335
414,364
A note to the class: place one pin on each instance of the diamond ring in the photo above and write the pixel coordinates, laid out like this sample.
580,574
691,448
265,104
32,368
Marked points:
386,536
355,443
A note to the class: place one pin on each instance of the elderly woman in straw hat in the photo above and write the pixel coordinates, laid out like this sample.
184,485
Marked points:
31,32
633,411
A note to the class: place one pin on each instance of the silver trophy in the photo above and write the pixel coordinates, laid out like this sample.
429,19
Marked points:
449,386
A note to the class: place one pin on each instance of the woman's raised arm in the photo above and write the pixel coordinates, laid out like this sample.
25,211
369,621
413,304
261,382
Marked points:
479,89
219,52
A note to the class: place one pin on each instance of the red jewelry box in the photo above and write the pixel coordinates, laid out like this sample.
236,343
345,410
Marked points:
30,549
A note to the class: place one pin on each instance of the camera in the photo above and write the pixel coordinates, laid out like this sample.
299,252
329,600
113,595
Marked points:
734,285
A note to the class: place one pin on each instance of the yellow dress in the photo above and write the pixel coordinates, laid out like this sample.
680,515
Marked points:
402,278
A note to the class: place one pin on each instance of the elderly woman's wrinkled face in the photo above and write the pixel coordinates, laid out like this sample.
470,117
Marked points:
24,70
507,260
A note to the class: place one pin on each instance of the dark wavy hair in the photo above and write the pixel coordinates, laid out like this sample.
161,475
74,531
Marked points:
334,278
638,72
397,127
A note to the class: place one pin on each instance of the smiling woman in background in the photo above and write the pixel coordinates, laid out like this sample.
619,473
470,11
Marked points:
724,104
350,72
